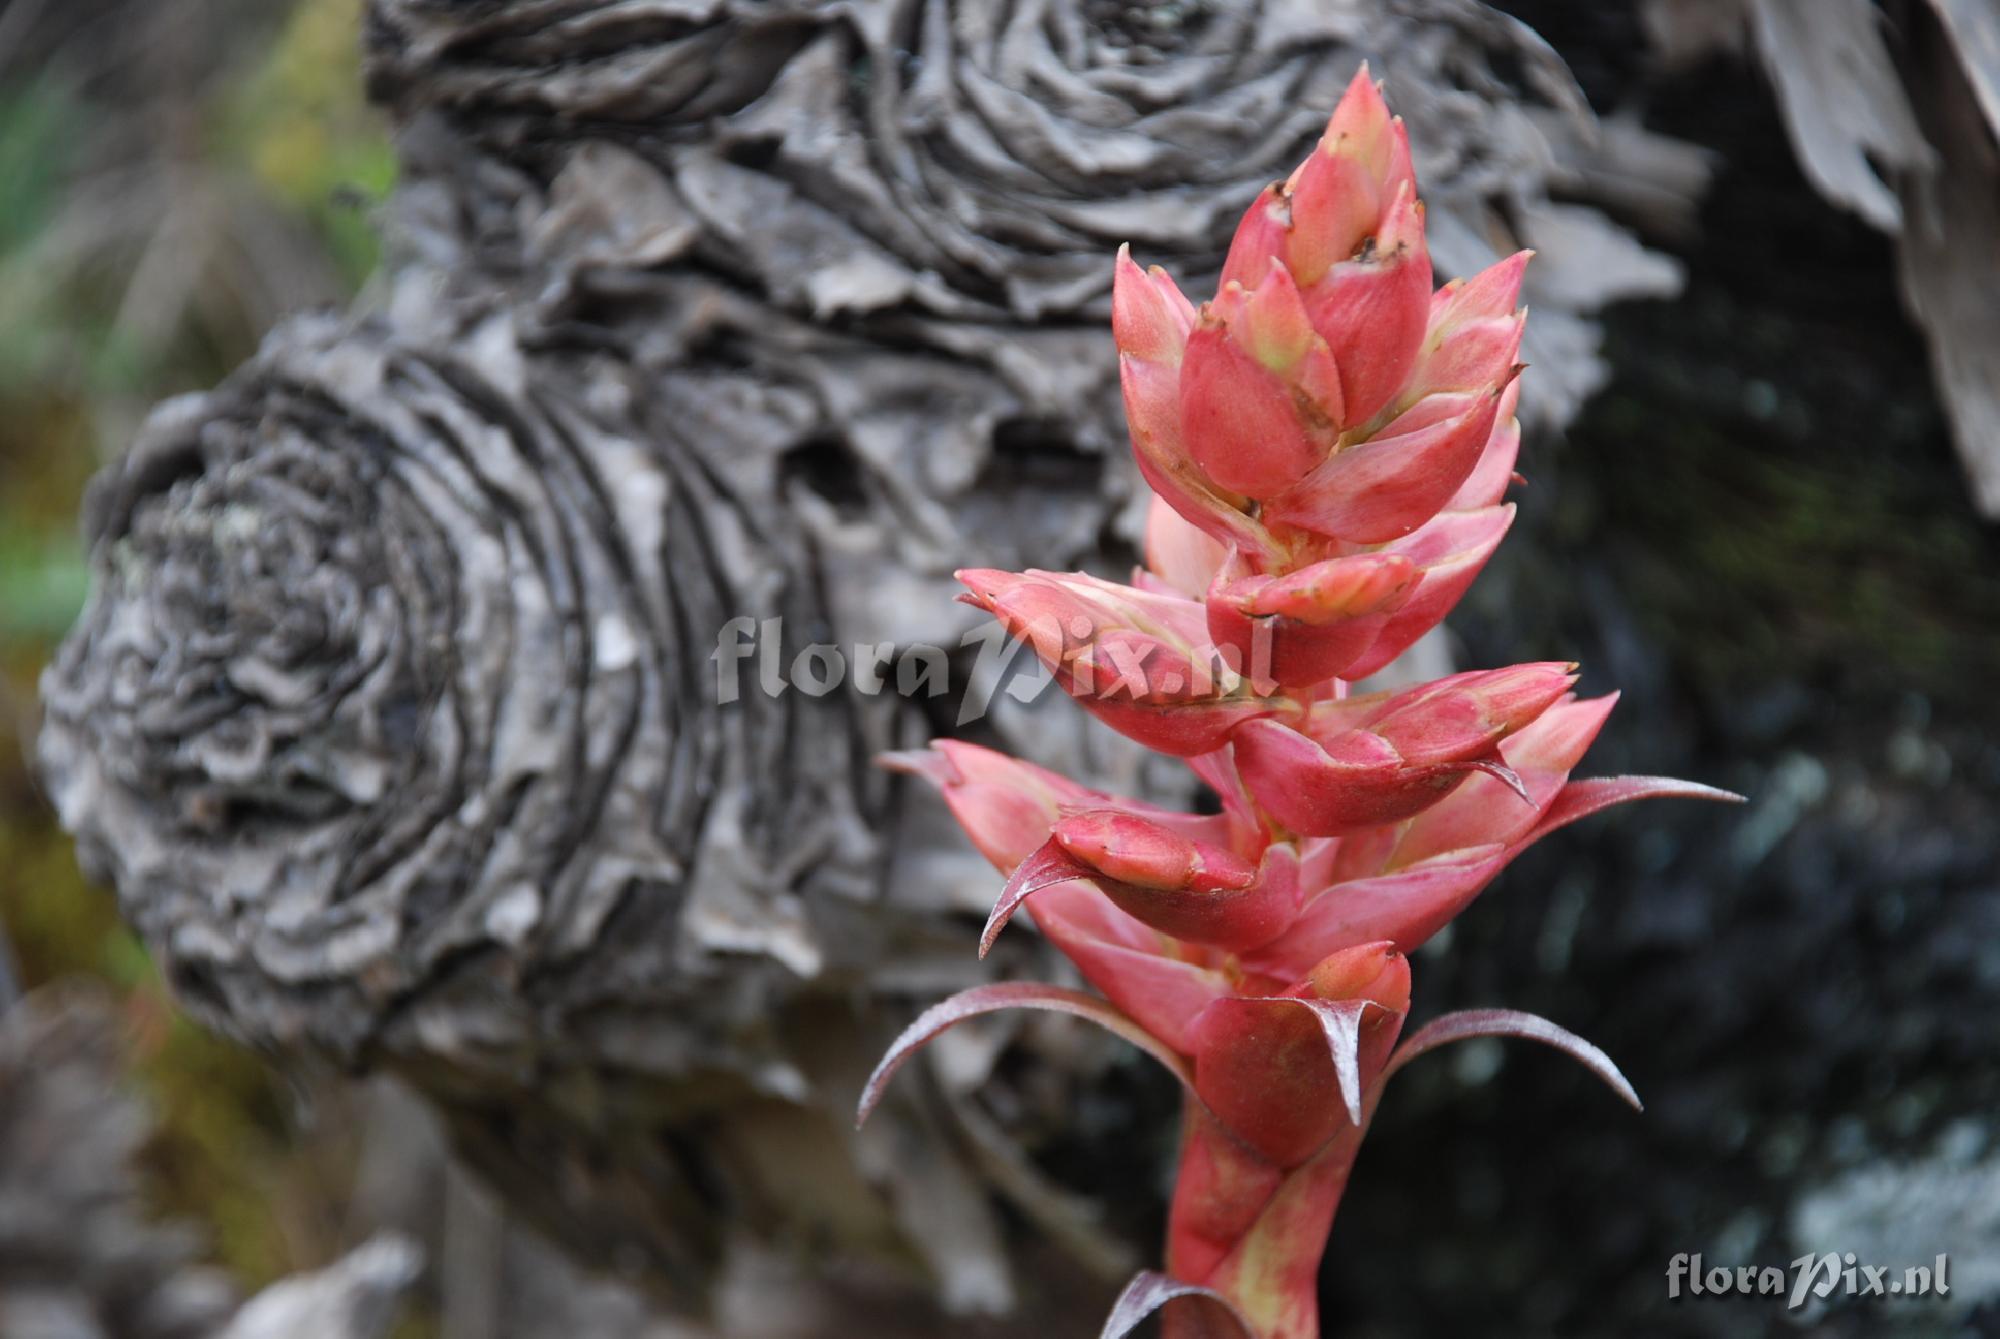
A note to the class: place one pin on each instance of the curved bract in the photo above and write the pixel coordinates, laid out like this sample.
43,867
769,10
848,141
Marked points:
1329,441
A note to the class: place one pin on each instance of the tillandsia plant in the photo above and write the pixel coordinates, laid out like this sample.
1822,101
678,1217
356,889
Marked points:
1329,442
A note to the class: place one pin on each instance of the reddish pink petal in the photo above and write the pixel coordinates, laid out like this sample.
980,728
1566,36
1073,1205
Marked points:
1480,812
1453,537
1150,319
1479,701
1205,829
1218,770
1162,994
1223,1188
1461,716
1288,1072
1451,551
1492,294
1181,730
1197,893
1311,791
1494,473
1376,973
1059,612
1283,1073
1429,885
1398,757
1193,891
1323,593
1131,848
1362,127
1336,206
1303,628
1268,320
1560,736
1359,855
1372,311
1404,908
1180,553
1341,192
1241,421
1153,413
1080,910
1474,335
1005,805
1388,486
1260,239
1007,995
1471,1023
1282,654
1273,1261
1140,660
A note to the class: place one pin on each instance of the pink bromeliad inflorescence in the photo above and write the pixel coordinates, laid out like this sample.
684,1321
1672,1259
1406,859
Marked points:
1329,442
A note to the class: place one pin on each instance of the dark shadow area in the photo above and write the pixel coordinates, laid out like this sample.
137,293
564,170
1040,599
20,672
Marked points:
1759,532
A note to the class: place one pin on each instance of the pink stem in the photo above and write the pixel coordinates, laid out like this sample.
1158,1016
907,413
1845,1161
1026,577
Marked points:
1252,1230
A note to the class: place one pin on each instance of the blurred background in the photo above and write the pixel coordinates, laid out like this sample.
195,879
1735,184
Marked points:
1759,531
176,178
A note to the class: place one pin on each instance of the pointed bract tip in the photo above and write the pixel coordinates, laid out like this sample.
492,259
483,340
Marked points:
1366,90
998,995
1271,321
1150,318
1402,227
1470,1023
1581,799
980,580
1507,777
931,765
1048,866
1363,128
1494,292
1149,1292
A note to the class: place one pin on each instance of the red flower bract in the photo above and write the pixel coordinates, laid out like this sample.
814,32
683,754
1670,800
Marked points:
1329,442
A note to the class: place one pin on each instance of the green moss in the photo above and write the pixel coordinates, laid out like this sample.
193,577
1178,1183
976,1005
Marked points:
302,126
59,926
222,1137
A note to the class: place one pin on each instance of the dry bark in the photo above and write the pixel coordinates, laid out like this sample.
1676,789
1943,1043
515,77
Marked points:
392,717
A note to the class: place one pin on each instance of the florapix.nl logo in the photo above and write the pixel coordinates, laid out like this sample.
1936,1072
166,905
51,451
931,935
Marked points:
755,655
1808,1279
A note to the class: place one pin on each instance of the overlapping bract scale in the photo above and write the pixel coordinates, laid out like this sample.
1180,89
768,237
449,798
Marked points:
1329,443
